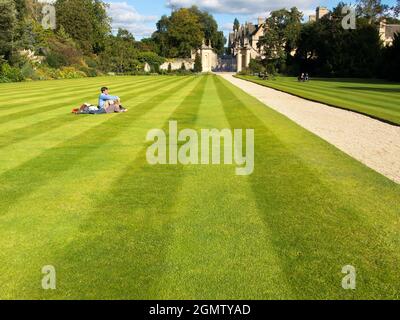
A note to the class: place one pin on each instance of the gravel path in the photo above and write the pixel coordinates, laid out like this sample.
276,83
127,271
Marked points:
372,142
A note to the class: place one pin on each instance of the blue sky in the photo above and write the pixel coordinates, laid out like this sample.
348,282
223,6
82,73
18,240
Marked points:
140,16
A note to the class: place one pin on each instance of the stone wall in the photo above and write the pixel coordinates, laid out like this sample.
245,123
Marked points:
209,60
176,64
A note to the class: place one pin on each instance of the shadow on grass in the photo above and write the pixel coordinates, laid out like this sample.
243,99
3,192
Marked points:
313,232
17,135
376,89
50,106
30,175
126,236
355,80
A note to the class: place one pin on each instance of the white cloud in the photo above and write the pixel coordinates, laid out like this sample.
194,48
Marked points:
243,7
125,16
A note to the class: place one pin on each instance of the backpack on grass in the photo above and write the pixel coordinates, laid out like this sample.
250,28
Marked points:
86,108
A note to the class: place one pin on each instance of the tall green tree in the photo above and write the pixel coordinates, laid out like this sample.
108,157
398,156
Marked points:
282,30
21,8
236,25
120,55
179,34
147,44
125,35
185,30
209,25
26,36
325,48
8,27
397,9
86,21
152,58
198,65
219,42
185,33
392,60
101,25
372,10
161,37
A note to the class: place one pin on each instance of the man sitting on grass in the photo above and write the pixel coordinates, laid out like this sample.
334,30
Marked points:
108,103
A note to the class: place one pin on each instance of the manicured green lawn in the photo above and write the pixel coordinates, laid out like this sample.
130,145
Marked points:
374,98
77,193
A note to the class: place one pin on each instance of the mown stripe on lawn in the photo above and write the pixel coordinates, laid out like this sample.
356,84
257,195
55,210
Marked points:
125,221
62,85
70,100
387,112
350,84
57,208
138,214
32,174
45,126
52,102
350,97
221,248
369,85
68,103
340,88
312,227
22,152
17,100
36,87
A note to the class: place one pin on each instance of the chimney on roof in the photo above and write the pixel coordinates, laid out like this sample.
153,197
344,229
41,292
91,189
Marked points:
261,21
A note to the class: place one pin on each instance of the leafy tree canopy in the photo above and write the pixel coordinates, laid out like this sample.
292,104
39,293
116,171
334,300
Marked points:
282,30
185,30
8,27
372,10
236,25
198,66
326,48
397,9
86,21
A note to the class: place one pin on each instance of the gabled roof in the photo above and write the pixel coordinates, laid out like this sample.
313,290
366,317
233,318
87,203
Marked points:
245,33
